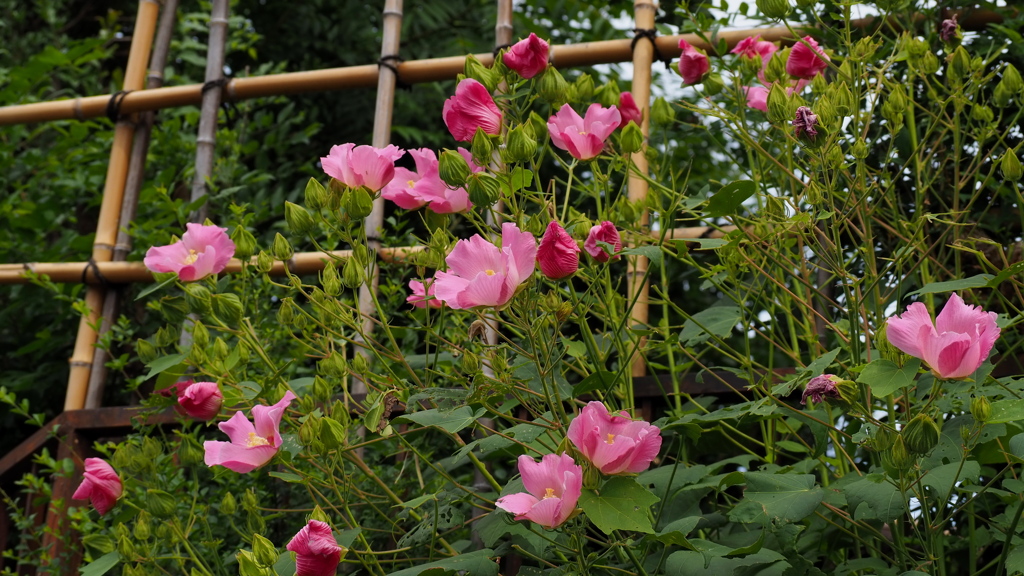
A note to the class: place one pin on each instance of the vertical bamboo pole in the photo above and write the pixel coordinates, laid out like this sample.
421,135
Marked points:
643,56
133,184
110,207
390,42
206,138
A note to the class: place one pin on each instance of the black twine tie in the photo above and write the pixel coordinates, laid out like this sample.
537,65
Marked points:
114,105
386,61
650,34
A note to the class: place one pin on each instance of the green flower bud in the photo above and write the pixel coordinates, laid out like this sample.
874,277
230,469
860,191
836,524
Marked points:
553,88
298,218
160,503
146,351
125,546
897,458
286,312
358,203
631,138
352,275
662,112
584,87
981,408
330,280
775,72
309,431
477,71
1010,166
538,128
778,106
563,312
484,189
282,249
893,114
883,439
332,433
843,100
336,193
898,97
521,146
263,551
249,500
915,47
864,49
228,308
929,64
200,335
982,114
143,529
264,262
470,363
198,298
713,83
228,505
608,94
319,515
1012,80
827,114
245,243
1001,96
859,150
886,349
921,434
959,66
359,364
220,349
322,390
481,148
316,195
101,543
247,565
777,9
333,366
453,168
174,310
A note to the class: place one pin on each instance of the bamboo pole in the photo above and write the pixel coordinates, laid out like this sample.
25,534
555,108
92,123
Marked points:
136,272
206,138
412,72
110,207
389,46
643,57
133,184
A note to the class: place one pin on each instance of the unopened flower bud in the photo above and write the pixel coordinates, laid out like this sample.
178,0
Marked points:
143,529
359,364
228,308
330,280
959,66
608,94
883,439
298,218
898,457
775,72
521,146
713,84
1001,96
245,243
484,189
160,503
477,71
352,275
322,389
584,87
247,565
309,431
333,366
864,49
282,248
662,112
859,149
983,114
146,351
336,192
981,408
481,147
1012,80
1010,166
631,138
563,312
286,312
538,128
778,105
358,203
332,433
228,505
453,168
921,434
470,363
316,196
319,515
264,262
263,551
777,9
553,88
200,335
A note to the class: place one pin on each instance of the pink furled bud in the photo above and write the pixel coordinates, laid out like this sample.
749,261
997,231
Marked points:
558,254
805,122
528,57
603,232
806,59
757,97
554,485
317,553
423,294
614,443
628,110
470,108
200,400
754,47
949,29
820,388
202,250
583,138
356,166
693,63
954,346
252,444
481,274
100,485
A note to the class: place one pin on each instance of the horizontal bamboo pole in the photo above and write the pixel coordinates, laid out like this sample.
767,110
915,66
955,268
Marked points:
412,72
124,272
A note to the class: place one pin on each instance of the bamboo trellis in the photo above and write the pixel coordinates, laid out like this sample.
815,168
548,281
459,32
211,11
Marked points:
143,100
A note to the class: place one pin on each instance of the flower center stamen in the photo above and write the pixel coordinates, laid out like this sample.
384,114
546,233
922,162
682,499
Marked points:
412,183
548,493
489,272
610,439
192,257
255,441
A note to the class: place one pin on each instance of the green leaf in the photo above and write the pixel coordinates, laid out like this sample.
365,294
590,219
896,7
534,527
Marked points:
1017,445
477,563
652,253
872,498
771,497
521,178
1009,410
450,421
709,243
621,504
943,478
1013,270
600,380
574,348
285,565
822,362
163,363
885,377
978,281
726,200
286,476
154,287
717,320
101,565
675,532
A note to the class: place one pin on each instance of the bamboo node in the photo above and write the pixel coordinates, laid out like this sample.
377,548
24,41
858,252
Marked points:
77,109
113,105
218,21
650,34
80,363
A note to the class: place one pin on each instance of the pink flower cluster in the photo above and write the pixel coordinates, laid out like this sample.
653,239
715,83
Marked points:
362,166
806,60
424,187
613,444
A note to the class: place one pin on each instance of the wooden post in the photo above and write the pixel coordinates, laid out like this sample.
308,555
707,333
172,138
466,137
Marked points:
390,42
643,56
110,207
133,184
